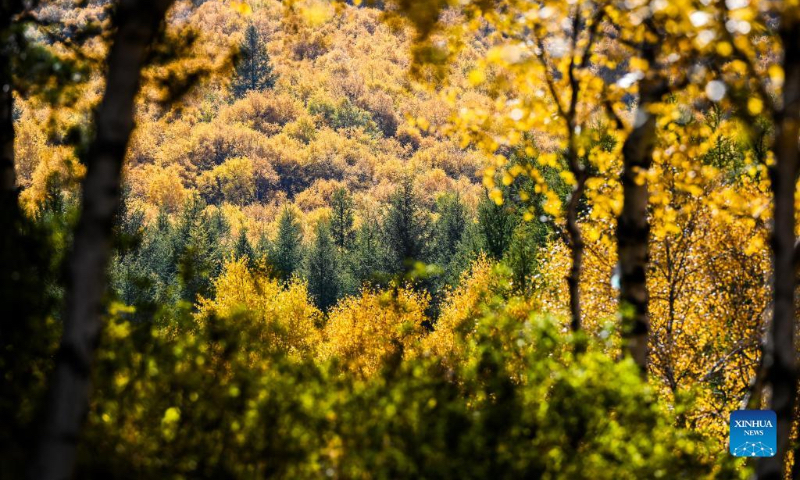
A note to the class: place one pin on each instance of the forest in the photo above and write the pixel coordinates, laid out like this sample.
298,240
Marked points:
398,239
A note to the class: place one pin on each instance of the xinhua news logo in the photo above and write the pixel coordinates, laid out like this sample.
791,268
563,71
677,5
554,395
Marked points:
754,433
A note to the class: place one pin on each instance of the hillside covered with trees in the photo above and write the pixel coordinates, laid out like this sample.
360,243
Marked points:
310,239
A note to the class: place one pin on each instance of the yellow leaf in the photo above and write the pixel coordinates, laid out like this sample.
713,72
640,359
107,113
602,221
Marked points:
497,196
776,74
755,105
242,8
476,77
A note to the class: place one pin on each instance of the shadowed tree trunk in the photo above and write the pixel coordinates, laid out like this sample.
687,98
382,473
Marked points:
779,354
576,243
633,227
137,23
8,183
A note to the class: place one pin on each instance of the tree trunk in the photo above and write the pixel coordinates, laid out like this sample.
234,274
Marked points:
779,352
633,227
8,181
795,473
138,23
576,244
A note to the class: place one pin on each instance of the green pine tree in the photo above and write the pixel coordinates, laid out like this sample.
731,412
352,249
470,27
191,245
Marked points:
242,249
467,251
522,254
322,269
496,224
406,229
450,227
254,71
342,219
286,253
151,281
262,248
201,259
367,259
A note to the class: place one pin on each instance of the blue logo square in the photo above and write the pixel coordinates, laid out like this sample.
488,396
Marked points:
754,433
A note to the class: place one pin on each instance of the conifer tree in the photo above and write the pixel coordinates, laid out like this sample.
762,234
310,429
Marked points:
468,249
262,248
243,249
369,253
450,227
188,216
342,219
158,250
286,253
406,228
496,224
198,262
521,256
322,269
254,71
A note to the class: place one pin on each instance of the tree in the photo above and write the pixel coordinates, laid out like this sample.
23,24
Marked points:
633,229
406,229
362,331
254,71
780,349
8,183
242,249
287,252
233,181
262,248
450,227
522,254
199,248
367,259
581,38
158,251
496,224
48,67
322,269
454,243
341,225
772,92
137,25
145,277
780,357
655,81
200,260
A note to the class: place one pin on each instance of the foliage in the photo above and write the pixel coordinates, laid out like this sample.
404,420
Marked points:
363,331
217,395
285,313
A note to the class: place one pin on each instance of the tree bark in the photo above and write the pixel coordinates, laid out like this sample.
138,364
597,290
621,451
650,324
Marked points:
8,180
576,243
780,360
137,23
795,473
633,227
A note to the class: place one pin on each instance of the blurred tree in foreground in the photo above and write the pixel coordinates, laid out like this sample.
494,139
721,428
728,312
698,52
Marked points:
242,399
